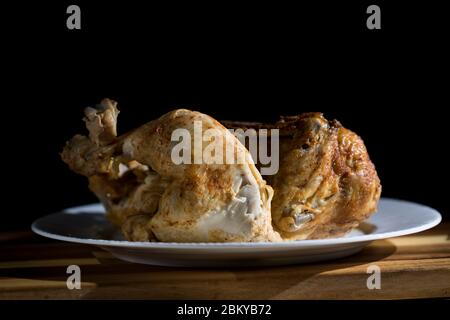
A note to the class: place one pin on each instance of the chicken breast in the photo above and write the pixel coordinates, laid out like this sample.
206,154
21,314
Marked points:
153,199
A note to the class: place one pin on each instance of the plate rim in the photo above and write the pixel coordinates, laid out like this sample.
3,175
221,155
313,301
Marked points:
219,245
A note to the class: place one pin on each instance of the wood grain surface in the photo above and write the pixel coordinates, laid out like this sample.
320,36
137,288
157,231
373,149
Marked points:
416,266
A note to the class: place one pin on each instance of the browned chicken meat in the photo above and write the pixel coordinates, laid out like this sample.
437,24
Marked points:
326,184
153,199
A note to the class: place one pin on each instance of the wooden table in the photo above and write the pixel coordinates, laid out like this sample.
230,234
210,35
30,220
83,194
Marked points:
416,266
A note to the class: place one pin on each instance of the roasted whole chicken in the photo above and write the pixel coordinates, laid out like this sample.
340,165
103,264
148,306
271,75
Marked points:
326,184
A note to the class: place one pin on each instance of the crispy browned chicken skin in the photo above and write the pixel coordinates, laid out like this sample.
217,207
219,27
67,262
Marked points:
326,184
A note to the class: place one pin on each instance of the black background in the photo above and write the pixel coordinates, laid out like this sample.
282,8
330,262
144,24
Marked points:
252,62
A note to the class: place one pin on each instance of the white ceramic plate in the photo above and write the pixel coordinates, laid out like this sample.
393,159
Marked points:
88,225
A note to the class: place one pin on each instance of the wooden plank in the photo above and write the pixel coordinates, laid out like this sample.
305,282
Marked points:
47,263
